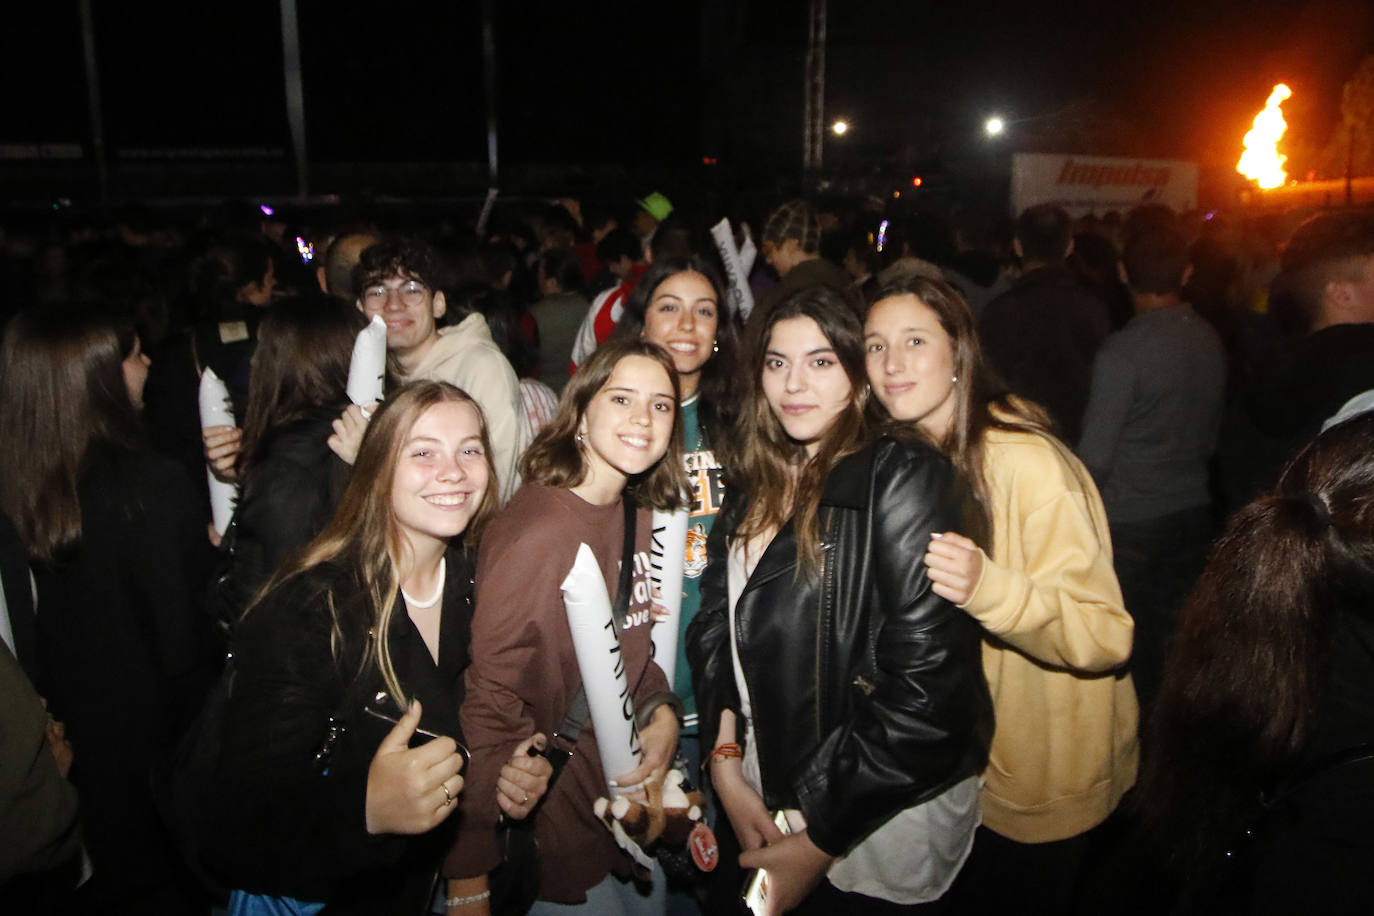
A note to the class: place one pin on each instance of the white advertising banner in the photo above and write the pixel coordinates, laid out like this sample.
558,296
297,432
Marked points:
1097,184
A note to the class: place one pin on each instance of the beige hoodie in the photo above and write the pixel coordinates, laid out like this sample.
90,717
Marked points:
466,356
1065,749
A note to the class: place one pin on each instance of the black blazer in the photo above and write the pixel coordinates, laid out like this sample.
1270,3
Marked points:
867,688
126,654
289,827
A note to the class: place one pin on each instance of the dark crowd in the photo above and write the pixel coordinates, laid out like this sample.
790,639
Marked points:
1028,564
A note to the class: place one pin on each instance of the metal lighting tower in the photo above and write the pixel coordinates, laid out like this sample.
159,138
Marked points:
489,79
813,114
295,94
102,173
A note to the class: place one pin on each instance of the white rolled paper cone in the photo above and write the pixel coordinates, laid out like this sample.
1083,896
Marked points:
217,410
602,667
668,555
747,252
741,296
367,369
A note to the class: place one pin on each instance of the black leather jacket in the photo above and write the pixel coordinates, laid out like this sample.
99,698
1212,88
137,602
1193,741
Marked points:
867,688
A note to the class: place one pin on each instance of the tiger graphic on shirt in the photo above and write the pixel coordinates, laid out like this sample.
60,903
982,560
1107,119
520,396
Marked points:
707,489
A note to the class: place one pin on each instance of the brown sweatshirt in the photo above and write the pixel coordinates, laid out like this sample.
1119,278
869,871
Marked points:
524,676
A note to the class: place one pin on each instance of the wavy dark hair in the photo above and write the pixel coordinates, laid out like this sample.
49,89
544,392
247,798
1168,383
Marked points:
61,368
555,457
771,469
396,256
301,363
1247,670
716,408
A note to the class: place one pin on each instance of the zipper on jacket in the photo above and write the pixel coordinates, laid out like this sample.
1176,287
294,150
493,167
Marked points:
827,591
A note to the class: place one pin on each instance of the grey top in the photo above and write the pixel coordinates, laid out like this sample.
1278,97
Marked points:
559,316
1153,414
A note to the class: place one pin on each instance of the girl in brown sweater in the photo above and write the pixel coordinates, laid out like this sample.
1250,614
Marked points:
616,437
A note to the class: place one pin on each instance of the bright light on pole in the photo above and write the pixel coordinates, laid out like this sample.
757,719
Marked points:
840,128
994,126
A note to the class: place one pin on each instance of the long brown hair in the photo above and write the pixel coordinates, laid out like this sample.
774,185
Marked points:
363,534
301,362
1244,682
64,394
773,470
716,403
981,399
555,458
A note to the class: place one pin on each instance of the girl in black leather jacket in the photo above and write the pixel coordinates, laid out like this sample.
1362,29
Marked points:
838,687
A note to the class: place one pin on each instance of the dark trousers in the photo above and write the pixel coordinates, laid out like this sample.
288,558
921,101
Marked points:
1157,562
1024,879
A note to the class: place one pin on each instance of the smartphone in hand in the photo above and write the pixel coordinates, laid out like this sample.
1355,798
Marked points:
755,891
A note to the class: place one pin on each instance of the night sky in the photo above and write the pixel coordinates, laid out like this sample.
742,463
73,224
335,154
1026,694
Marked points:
670,81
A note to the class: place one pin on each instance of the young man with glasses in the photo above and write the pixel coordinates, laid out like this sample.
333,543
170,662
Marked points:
397,279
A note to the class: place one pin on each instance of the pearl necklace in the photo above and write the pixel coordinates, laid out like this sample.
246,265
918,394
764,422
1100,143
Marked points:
438,592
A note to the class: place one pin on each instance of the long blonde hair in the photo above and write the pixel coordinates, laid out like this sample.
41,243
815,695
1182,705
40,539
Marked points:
363,534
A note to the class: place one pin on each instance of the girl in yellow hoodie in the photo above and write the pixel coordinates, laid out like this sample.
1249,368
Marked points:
1041,584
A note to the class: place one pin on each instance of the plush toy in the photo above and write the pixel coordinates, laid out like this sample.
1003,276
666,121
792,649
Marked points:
669,815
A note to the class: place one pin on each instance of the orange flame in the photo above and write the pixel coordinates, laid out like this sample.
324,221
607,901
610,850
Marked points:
1261,162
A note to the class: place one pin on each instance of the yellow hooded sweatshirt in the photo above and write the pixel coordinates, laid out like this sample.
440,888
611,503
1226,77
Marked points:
1057,638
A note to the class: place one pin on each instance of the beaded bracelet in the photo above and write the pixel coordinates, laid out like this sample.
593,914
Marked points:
724,752
464,901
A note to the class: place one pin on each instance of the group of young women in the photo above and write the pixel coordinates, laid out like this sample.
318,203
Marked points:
907,624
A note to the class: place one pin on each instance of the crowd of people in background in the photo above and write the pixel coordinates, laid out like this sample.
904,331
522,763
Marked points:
1029,565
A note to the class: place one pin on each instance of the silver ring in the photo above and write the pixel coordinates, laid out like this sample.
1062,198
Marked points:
448,799
366,412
